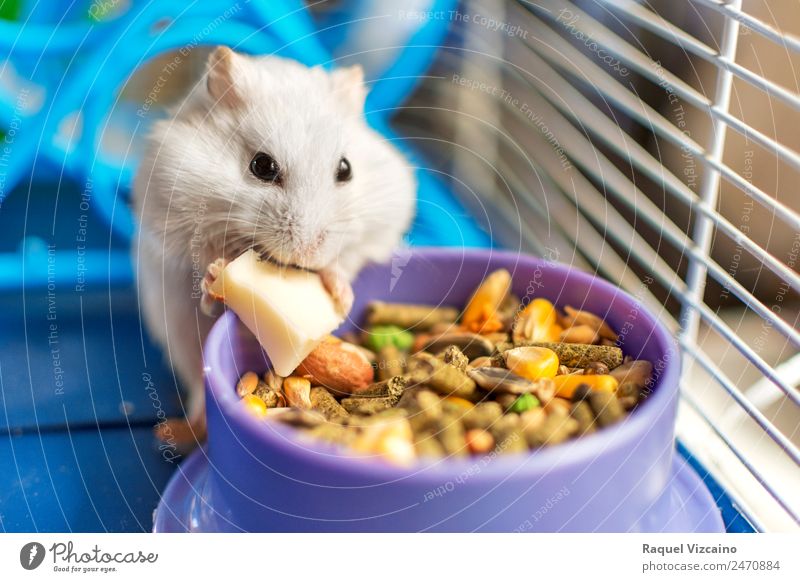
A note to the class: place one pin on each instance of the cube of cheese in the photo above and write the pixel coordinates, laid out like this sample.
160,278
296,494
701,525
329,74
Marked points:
287,309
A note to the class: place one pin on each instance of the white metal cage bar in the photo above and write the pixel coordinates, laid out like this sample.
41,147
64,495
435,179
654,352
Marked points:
618,209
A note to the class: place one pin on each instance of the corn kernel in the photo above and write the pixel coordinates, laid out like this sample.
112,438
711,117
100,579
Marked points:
566,385
533,363
255,405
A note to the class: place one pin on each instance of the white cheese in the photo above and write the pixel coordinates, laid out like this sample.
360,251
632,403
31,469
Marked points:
288,310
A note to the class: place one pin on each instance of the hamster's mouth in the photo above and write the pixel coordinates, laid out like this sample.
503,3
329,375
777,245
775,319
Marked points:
266,256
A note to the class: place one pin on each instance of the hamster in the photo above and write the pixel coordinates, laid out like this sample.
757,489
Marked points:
266,154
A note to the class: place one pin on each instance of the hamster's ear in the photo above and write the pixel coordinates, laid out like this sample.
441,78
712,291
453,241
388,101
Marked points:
348,84
222,73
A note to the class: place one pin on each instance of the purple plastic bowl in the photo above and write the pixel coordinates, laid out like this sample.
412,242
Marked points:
262,477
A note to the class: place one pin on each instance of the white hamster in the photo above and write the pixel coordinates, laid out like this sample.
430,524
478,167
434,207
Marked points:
268,154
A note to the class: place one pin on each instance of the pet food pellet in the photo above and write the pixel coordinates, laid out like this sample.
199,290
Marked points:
408,400
367,404
483,415
507,435
391,439
506,401
408,316
391,388
523,403
532,419
628,394
450,381
581,392
380,336
556,428
324,402
558,406
606,406
455,357
582,412
389,362
451,436
427,445
456,404
329,432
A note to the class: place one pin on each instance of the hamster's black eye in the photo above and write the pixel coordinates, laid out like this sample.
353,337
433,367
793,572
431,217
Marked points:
344,172
264,167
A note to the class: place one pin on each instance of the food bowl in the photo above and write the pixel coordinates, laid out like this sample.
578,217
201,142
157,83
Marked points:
255,475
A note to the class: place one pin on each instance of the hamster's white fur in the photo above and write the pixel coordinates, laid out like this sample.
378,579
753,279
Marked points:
197,199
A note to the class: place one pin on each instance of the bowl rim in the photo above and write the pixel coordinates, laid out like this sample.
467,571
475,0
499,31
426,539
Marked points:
328,457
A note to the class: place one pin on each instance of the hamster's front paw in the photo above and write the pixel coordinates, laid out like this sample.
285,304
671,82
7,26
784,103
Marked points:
339,288
209,303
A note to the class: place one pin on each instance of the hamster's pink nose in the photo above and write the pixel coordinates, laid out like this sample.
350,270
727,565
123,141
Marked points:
310,248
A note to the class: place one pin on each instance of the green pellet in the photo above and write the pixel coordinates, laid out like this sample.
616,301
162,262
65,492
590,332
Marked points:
379,336
524,402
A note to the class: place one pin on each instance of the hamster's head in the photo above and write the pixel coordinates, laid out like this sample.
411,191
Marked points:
281,157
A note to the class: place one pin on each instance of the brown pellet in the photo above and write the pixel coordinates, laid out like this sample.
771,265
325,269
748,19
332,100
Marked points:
389,362
606,407
367,404
451,436
508,435
409,316
391,388
427,445
323,401
482,415
628,394
455,357
582,412
450,381
557,427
